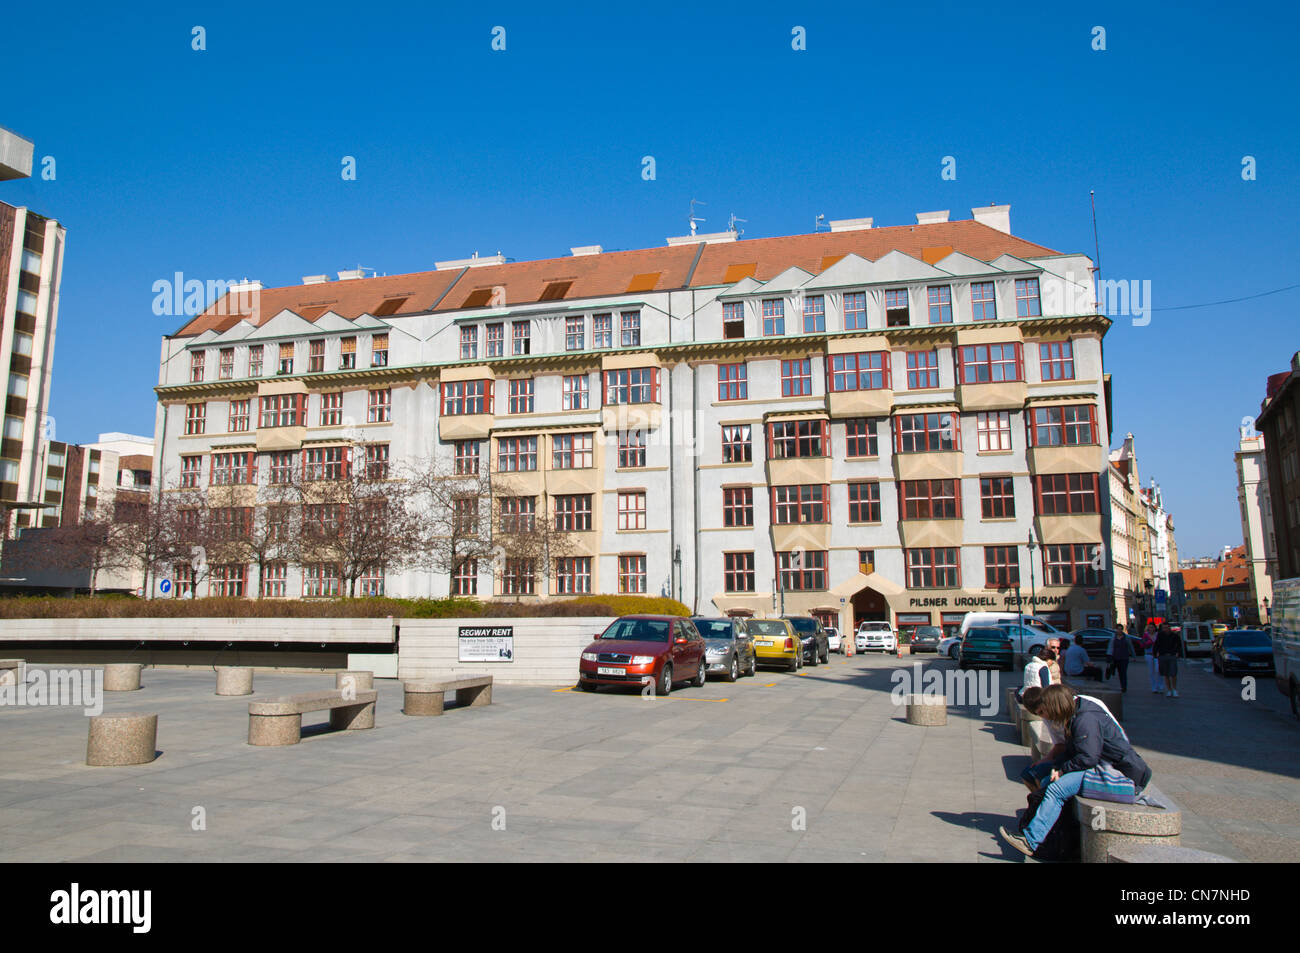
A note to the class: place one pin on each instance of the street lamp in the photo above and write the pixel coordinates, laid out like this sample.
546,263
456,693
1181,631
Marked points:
1267,620
1033,544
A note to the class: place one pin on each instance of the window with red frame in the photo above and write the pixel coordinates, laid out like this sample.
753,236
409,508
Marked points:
282,463
736,444
1056,360
864,501
572,575
855,311
929,499
1072,564
331,409
284,410
1068,425
229,580
631,573
733,319
574,394
997,498
468,342
993,430
371,582
377,461
737,506
926,433
860,437
796,378
733,382
232,468
990,363
495,340
464,578
464,514
198,359
322,520
519,577
255,360
738,572
315,356
196,417
868,370
380,409
631,449
516,454
521,338
773,316
1027,302
320,579
802,570
468,457
228,523
324,463
631,509
940,301
571,451
520,394
790,439
227,363
1001,567
602,331
814,314
1066,493
632,385
936,568
575,333
897,313
983,304
466,397
274,580
805,503
922,370
191,470
518,514
573,513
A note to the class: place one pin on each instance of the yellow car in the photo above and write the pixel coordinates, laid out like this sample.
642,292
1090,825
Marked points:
776,643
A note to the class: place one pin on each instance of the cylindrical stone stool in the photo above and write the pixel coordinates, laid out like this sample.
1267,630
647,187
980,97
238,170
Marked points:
122,677
234,680
927,710
422,698
361,681
122,739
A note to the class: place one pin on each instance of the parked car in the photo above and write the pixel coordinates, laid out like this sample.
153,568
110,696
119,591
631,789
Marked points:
1198,638
833,639
986,647
1242,650
876,636
728,649
984,619
642,650
926,638
1284,624
1027,640
775,643
1096,642
816,647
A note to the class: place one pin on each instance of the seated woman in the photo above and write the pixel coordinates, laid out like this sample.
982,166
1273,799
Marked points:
1037,773
1092,736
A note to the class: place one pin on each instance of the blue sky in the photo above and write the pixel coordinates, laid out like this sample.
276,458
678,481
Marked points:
225,163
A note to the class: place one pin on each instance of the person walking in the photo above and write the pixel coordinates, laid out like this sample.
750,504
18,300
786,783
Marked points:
1092,737
1149,649
1168,647
1118,654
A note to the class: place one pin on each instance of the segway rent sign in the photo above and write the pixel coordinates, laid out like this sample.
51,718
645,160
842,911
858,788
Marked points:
486,643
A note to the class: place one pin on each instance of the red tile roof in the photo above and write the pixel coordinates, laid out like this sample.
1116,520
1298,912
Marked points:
614,273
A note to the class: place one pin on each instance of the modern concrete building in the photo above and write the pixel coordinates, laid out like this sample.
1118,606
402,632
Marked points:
903,422
1256,518
1277,422
31,267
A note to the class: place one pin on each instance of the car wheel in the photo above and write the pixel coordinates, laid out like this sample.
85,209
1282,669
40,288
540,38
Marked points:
826,656
587,686
666,679
954,653
1295,698
813,660
701,676
734,672
753,666
794,664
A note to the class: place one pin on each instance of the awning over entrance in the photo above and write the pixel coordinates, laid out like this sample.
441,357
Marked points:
860,581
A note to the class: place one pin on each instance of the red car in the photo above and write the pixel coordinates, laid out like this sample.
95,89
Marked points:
644,650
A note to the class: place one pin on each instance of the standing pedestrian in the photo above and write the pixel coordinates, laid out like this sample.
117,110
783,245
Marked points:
1118,654
1149,648
1168,647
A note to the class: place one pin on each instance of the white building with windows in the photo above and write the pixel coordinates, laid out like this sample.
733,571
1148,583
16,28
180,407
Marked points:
863,423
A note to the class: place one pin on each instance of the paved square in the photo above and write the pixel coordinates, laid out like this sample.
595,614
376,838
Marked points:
722,773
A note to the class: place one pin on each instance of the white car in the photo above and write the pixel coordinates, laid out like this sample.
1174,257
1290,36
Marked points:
833,641
876,637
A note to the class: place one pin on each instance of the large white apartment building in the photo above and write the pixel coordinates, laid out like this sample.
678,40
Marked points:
861,423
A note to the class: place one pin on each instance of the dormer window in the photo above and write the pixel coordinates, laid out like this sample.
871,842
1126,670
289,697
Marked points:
896,311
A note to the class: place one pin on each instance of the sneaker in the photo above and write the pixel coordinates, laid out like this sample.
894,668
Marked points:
1169,694
1175,693
1155,691
1017,841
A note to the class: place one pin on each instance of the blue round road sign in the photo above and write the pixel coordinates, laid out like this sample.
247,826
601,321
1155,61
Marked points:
165,586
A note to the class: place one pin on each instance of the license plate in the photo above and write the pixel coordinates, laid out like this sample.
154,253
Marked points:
762,643
605,670
1259,665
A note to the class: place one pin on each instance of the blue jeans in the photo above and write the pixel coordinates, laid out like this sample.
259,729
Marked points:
1037,772
1054,798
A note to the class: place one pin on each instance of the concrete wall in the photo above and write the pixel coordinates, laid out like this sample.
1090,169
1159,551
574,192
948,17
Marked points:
306,632
546,650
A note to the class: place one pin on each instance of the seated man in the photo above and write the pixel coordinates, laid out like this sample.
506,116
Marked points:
1077,662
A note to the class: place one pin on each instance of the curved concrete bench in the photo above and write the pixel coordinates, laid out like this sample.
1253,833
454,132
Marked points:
278,721
360,681
128,738
926,709
122,676
1160,854
234,680
1107,825
428,697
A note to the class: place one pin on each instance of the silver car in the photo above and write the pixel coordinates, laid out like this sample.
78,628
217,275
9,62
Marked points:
728,647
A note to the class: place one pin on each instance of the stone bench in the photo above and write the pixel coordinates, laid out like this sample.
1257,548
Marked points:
128,738
427,697
1160,854
10,668
122,676
926,709
234,680
278,721
1107,825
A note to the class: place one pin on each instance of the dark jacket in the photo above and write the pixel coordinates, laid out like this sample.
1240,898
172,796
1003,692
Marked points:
1094,737
1168,643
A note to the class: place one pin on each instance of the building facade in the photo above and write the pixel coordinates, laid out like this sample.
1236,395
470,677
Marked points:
1222,592
1277,422
1256,518
900,423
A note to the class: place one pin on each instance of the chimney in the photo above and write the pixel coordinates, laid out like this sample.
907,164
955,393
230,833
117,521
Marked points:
931,218
246,285
850,224
582,250
351,274
474,261
315,279
994,216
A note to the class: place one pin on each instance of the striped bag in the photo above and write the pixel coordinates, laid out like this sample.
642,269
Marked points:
1105,782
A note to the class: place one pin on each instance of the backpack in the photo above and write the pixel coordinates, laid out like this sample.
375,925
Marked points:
1062,842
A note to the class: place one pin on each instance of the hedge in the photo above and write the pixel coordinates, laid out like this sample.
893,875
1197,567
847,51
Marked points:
128,607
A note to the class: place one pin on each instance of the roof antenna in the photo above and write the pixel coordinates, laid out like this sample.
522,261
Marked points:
695,218
731,224
820,223
1092,196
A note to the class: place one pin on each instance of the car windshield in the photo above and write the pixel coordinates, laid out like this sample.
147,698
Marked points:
1246,640
876,626
767,627
803,625
637,630
929,632
986,635
713,628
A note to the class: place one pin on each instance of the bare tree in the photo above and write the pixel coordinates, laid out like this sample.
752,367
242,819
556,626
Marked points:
264,526
526,540
163,531
453,505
